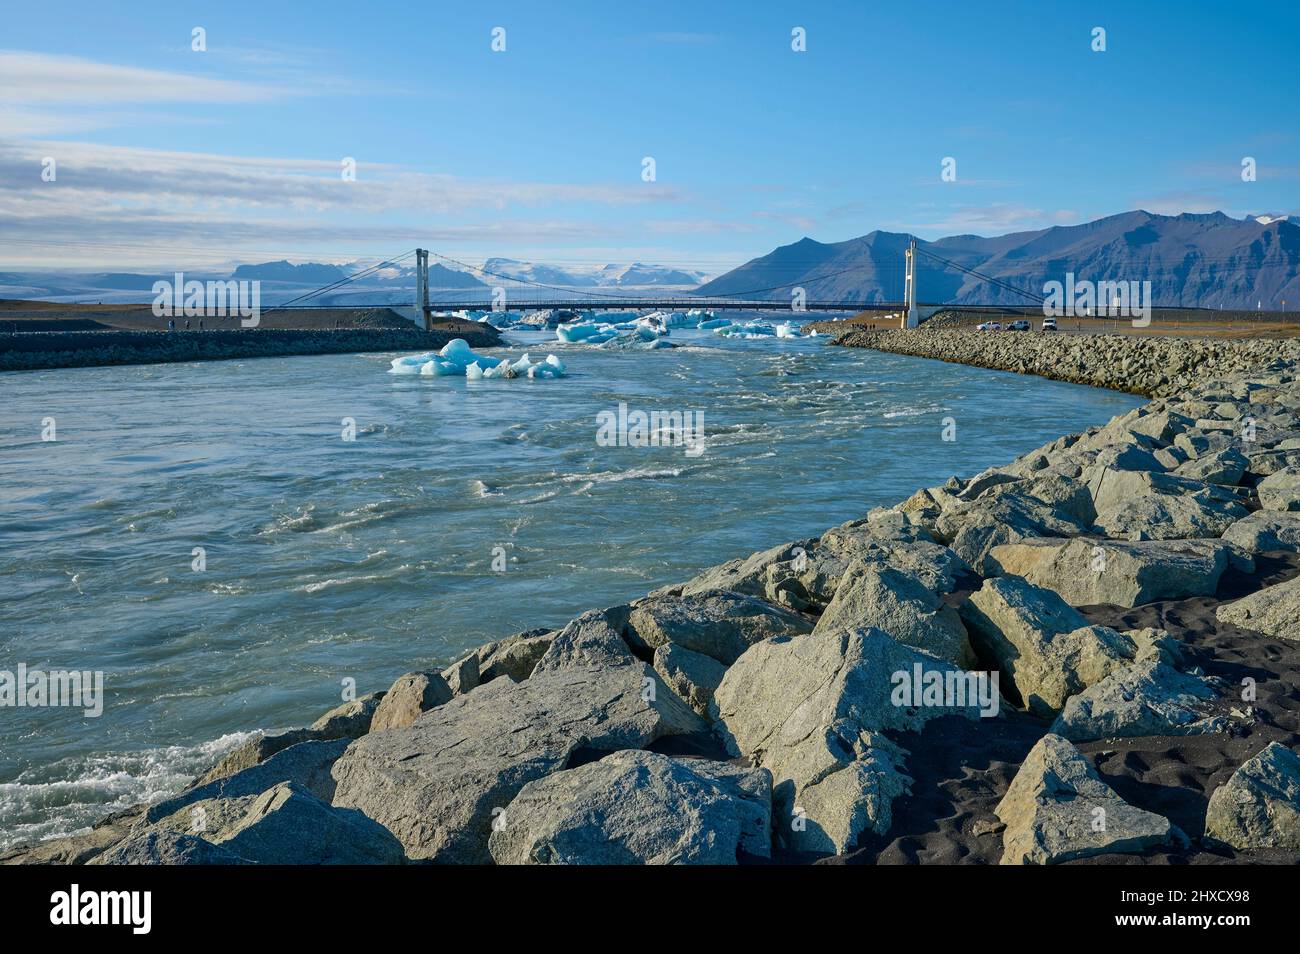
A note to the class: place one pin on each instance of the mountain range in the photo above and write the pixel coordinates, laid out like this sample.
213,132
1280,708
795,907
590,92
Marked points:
1192,260
636,275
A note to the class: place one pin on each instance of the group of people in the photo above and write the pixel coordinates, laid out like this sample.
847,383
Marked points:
171,324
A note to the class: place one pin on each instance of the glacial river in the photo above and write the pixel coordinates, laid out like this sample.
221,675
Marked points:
461,512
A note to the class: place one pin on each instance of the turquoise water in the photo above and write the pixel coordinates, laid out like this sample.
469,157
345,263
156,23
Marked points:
329,559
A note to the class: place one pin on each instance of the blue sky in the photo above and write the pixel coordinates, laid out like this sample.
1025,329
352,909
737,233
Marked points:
170,157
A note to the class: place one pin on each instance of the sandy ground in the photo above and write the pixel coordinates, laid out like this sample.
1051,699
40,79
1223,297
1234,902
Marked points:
50,316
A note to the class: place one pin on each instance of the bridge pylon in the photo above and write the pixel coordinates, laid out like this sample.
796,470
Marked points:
422,286
913,317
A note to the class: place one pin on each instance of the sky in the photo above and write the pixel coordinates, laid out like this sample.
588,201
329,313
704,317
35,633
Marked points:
170,156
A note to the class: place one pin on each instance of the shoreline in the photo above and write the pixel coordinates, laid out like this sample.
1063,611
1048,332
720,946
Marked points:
1136,365
46,350
763,685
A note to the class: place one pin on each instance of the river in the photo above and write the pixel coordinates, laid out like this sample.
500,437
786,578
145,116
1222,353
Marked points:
461,512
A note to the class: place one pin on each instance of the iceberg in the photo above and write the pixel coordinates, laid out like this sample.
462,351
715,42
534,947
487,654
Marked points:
457,359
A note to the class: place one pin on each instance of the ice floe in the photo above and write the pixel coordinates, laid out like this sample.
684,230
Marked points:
457,359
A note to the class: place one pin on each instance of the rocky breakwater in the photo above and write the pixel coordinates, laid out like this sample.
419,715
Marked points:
960,674
1150,366
30,351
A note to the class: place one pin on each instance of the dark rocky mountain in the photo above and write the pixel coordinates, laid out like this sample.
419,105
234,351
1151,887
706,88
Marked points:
1204,261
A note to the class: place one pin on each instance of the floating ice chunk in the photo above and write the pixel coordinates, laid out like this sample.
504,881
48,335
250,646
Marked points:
457,359
710,323
473,372
575,332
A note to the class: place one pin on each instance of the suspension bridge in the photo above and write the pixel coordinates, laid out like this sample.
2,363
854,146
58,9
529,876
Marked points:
541,296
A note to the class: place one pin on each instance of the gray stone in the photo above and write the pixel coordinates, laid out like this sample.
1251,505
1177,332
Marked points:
167,848
1090,572
974,529
636,808
307,764
1259,806
1046,650
901,605
256,751
1280,490
813,709
1226,466
1057,808
412,694
1266,530
744,576
513,657
349,720
718,623
693,676
1147,698
288,825
462,675
436,783
1273,611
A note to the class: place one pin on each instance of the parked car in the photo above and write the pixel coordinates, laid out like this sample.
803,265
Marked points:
1049,324
1019,325
989,326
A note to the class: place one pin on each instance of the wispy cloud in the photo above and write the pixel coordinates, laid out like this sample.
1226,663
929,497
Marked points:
28,78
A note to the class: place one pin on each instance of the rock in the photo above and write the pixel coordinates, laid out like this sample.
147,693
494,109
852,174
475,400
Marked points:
900,604
74,849
288,825
1147,698
744,576
513,657
1273,611
693,676
718,623
1057,808
812,710
410,695
1226,466
593,639
437,783
1045,650
1090,572
1259,806
1265,530
349,720
307,764
462,675
255,751
1163,517
636,808
1066,494
1280,490
167,848
974,529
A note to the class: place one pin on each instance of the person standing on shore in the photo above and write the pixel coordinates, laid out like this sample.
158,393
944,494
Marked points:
171,324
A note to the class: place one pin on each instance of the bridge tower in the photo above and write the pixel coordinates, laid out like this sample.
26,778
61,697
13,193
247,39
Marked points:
422,286
913,317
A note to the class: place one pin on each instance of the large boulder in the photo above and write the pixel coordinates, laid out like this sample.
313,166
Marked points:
743,576
974,529
693,676
1280,490
1225,466
1265,530
900,604
718,623
1259,806
349,720
1274,610
437,783
1057,808
1147,698
1045,649
636,808
307,764
513,657
167,848
1089,572
812,710
1137,505
288,825
412,694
